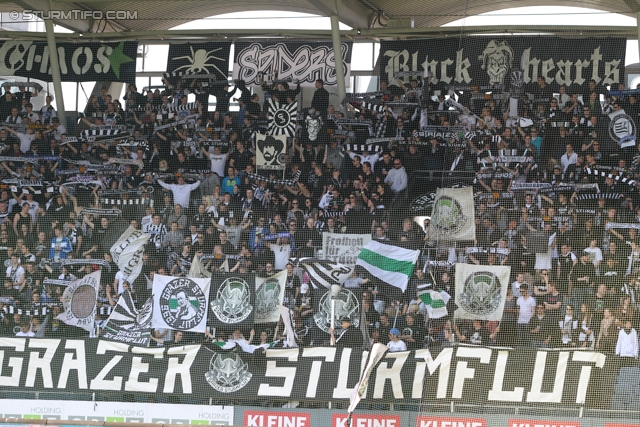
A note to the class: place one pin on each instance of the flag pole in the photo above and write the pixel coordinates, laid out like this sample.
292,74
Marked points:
396,318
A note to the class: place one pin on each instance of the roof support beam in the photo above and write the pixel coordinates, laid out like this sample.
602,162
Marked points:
348,12
43,6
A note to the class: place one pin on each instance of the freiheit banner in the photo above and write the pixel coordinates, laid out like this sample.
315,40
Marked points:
486,375
487,61
302,61
79,62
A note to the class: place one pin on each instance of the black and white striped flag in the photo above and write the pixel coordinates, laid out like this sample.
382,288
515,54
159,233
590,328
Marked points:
324,273
128,324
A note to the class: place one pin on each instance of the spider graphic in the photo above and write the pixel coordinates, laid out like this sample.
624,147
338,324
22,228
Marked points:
198,61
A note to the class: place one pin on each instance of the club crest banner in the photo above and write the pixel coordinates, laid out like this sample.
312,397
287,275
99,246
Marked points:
269,296
79,301
481,291
232,300
180,303
82,62
509,61
453,215
200,58
128,324
302,61
270,153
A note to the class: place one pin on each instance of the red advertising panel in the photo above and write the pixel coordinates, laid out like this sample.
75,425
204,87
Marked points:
276,419
450,422
542,423
366,420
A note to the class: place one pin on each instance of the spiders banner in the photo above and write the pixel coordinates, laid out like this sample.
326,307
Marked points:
200,58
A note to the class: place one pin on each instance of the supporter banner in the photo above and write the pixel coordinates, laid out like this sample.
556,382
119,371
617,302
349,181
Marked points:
127,252
79,301
485,61
270,153
301,61
128,324
282,118
232,300
180,303
453,215
343,248
269,296
79,62
481,291
326,274
201,58
138,412
474,375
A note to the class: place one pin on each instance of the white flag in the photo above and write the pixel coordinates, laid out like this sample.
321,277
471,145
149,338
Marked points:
79,301
197,270
453,215
377,353
290,340
481,291
127,252
269,296
180,303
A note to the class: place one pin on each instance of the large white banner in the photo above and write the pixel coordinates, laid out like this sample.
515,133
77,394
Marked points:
453,215
481,291
127,252
343,248
117,412
180,303
79,301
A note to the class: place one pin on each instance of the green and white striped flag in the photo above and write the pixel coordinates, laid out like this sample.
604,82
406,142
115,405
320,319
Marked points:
435,303
391,264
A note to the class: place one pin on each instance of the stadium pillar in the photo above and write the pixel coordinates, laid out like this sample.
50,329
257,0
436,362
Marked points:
638,30
337,49
55,72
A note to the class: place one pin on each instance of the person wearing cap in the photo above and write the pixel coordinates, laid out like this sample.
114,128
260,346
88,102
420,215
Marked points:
395,343
350,336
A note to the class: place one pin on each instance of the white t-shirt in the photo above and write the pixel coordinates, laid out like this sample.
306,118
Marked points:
121,278
595,254
29,334
397,346
217,163
25,141
15,274
282,254
527,308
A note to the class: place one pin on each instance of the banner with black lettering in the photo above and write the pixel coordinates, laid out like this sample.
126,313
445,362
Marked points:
79,62
199,58
79,301
487,375
232,301
180,303
503,60
271,150
127,252
305,62
343,248
128,324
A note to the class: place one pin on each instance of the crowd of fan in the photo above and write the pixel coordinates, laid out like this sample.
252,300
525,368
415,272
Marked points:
200,194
